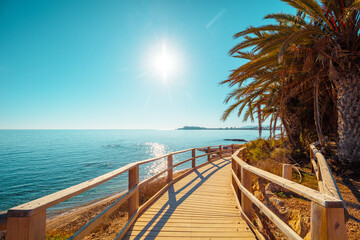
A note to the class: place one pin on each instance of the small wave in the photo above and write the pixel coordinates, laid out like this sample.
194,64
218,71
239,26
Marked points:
96,164
13,153
113,145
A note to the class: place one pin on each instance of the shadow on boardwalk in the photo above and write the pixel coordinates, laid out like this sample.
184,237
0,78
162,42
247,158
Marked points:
162,216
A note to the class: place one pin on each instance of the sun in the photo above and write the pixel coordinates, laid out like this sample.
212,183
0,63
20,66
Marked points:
165,62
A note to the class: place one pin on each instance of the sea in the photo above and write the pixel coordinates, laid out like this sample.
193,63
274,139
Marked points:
35,163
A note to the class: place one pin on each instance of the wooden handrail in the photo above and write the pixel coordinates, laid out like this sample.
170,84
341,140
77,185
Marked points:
329,184
327,214
325,178
28,220
309,193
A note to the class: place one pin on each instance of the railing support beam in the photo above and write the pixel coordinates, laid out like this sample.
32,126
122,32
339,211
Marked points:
246,203
193,163
234,167
287,174
133,202
169,165
327,223
26,227
208,151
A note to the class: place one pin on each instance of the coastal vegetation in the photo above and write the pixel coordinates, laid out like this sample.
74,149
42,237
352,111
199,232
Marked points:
270,155
302,72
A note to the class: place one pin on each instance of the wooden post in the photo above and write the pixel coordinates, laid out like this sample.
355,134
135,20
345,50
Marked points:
208,154
287,174
246,203
22,225
170,171
234,168
193,163
220,150
312,157
327,223
238,174
242,155
232,149
133,202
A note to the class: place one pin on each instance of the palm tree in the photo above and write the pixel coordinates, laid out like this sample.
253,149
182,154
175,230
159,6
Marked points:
272,83
333,30
318,62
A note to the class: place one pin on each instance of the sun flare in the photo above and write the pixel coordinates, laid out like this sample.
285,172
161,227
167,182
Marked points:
165,63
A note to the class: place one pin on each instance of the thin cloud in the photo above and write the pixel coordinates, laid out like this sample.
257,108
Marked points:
215,18
147,102
141,74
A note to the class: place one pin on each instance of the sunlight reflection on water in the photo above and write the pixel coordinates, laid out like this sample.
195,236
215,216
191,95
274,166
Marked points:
155,150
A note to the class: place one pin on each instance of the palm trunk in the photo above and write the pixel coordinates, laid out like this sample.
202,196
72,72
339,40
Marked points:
348,106
274,128
292,123
317,113
260,120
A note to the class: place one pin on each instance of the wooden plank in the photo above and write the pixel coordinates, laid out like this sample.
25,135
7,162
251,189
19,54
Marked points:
189,228
313,195
180,214
186,238
192,221
205,202
191,234
197,211
195,225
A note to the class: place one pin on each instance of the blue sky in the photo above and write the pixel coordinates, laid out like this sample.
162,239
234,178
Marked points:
90,64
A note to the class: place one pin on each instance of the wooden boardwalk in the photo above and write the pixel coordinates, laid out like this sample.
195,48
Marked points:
202,205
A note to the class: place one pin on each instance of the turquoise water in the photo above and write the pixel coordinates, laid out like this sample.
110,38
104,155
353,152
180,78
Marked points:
36,163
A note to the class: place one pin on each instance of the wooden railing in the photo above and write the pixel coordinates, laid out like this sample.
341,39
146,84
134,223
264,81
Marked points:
327,210
28,221
325,178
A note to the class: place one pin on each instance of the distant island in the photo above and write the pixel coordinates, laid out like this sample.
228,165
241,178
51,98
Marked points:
227,128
